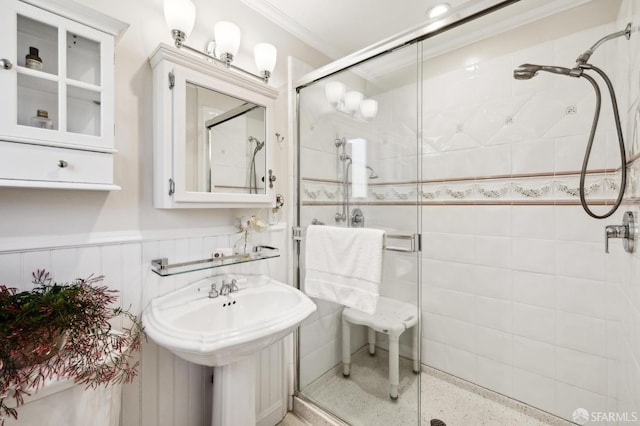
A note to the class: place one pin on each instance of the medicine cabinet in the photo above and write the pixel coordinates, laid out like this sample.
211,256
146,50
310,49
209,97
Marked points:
57,82
213,134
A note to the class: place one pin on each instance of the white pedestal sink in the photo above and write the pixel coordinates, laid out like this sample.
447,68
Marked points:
226,332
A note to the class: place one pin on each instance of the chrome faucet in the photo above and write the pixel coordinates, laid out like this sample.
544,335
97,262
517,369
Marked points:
227,288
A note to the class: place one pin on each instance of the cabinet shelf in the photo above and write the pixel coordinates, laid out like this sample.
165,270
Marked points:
163,268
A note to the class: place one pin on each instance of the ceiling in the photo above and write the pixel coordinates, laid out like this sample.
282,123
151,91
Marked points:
340,27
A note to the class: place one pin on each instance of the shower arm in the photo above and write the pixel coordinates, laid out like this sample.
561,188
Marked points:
584,57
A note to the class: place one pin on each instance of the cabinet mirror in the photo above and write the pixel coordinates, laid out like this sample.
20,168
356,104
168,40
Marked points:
225,143
213,134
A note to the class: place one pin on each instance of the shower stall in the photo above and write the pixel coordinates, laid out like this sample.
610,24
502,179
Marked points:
476,177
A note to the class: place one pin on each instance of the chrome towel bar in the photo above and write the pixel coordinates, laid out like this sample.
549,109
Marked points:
415,243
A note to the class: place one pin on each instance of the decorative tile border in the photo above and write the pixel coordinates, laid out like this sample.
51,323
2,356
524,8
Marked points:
555,188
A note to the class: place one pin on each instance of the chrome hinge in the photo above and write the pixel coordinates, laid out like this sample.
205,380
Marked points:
172,187
296,232
172,81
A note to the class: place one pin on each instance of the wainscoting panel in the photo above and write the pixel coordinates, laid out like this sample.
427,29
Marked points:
168,390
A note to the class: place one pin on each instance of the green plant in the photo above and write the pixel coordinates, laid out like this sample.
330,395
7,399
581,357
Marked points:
62,330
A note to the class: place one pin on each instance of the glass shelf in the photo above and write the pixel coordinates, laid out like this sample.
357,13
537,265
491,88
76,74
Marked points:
163,268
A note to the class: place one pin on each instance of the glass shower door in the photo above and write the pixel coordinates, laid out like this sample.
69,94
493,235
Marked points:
359,165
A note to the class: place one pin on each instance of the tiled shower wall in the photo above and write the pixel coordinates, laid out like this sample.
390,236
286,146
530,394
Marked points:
168,390
517,292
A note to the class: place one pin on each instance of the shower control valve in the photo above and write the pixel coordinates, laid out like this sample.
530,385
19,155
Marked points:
627,231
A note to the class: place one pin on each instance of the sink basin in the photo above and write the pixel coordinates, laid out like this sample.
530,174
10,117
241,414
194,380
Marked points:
225,329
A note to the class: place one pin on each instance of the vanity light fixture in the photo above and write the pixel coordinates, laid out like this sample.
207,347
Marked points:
180,16
349,101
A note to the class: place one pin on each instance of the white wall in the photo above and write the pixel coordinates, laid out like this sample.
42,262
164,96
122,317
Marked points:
50,228
24,210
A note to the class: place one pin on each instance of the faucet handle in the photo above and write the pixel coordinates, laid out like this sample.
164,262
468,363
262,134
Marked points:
213,292
233,287
225,288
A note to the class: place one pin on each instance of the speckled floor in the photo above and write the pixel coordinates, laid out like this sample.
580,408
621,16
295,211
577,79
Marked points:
363,399
292,420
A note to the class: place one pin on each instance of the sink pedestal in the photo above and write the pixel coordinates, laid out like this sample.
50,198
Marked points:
234,393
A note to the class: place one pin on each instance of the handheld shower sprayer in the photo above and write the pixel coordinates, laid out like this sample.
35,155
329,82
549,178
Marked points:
253,179
528,71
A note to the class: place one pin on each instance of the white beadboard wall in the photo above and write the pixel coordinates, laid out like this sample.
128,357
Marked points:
168,391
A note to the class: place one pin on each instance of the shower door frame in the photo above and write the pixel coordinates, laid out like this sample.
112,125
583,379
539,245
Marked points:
412,36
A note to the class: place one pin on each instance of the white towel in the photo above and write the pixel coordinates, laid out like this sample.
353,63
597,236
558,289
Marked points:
344,265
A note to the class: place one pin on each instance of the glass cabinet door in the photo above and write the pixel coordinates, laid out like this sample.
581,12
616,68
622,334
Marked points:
60,86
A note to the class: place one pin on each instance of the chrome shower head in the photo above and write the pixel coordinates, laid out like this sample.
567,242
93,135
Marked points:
528,71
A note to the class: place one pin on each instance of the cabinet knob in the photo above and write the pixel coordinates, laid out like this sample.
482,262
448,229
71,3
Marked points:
6,64
62,164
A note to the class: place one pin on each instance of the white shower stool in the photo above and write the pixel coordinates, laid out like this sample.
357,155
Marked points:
391,318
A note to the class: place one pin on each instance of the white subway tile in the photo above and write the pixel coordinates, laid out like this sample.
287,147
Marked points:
533,255
461,363
494,375
581,333
582,370
449,331
493,251
491,282
533,156
534,322
537,222
580,296
493,313
534,389
580,260
434,354
534,356
573,224
494,344
534,289
492,220
569,398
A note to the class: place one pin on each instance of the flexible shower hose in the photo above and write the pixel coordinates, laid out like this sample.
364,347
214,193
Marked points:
592,134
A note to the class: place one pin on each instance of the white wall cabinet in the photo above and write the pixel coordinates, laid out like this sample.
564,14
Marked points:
72,84
183,141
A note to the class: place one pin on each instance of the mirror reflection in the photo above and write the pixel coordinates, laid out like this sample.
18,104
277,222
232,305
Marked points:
225,143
